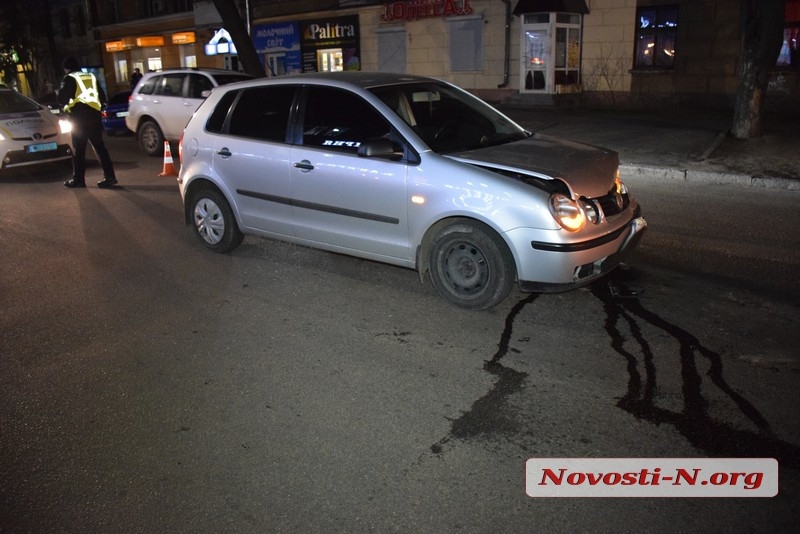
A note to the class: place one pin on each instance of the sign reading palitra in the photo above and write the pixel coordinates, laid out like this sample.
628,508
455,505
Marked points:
420,9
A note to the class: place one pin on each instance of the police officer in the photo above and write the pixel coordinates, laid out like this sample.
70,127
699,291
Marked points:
82,98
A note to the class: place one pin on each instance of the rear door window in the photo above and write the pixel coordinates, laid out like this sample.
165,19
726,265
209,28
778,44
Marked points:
197,84
170,85
216,120
262,113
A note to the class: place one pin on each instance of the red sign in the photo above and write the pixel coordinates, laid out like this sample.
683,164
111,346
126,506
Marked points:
420,9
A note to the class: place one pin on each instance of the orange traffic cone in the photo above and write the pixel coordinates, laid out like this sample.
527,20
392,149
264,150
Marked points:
169,167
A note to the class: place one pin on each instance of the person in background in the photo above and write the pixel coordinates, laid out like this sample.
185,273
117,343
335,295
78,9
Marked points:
135,77
82,98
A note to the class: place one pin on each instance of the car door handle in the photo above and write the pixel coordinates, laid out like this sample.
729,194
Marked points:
224,153
304,165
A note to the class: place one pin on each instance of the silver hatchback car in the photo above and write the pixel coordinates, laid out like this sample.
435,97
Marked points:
406,170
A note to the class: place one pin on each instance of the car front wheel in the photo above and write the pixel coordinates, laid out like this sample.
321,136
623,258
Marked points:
213,221
471,266
151,140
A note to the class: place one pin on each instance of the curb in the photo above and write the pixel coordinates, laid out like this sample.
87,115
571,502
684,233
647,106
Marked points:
709,178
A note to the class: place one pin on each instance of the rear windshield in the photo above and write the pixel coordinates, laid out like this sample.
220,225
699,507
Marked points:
120,98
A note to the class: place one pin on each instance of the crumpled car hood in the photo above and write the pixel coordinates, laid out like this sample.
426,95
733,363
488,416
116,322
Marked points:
588,170
25,125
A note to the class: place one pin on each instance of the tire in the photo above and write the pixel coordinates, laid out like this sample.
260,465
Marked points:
213,221
150,138
471,267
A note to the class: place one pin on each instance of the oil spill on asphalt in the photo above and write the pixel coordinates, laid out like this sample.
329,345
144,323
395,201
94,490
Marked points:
715,438
491,415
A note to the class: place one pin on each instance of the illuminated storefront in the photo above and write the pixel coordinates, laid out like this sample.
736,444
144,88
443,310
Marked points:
310,45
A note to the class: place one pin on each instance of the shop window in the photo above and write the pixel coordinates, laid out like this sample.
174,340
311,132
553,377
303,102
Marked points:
466,44
656,32
120,68
791,34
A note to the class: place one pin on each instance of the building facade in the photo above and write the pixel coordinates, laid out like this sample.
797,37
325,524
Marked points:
600,52
638,53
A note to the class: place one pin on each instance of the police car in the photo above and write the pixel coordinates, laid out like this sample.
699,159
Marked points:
30,133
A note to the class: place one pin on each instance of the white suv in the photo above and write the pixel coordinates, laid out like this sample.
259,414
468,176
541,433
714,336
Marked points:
163,102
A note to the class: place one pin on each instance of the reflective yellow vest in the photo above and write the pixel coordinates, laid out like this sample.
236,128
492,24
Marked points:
85,92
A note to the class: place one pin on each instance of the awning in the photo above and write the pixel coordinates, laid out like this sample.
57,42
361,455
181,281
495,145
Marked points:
553,6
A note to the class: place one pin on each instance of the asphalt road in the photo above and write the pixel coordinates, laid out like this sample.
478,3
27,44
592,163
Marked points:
148,385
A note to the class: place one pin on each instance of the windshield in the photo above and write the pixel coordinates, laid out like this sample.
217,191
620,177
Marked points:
13,102
447,119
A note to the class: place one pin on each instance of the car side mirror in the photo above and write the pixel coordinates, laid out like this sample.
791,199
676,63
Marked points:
206,93
381,148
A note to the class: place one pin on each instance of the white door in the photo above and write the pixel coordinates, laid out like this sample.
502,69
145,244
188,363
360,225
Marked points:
253,157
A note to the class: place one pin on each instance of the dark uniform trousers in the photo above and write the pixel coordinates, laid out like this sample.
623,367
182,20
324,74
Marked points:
87,126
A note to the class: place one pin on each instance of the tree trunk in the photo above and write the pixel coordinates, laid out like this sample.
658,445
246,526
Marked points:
232,21
762,37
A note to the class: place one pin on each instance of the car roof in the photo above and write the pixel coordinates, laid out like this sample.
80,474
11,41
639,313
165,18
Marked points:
360,79
207,71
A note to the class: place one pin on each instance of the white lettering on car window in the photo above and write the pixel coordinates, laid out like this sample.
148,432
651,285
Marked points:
351,144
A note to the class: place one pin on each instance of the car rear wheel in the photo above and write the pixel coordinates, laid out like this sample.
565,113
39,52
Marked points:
151,140
471,266
213,221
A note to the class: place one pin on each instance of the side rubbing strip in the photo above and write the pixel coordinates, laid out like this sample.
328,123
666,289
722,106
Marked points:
320,207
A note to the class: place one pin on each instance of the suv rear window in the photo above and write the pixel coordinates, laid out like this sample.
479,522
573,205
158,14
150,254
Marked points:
149,85
197,84
171,85
224,79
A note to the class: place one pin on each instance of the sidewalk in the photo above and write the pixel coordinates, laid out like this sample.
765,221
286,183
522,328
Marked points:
691,145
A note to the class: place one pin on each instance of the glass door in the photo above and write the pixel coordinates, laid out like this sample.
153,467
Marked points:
330,60
551,53
536,68
536,57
